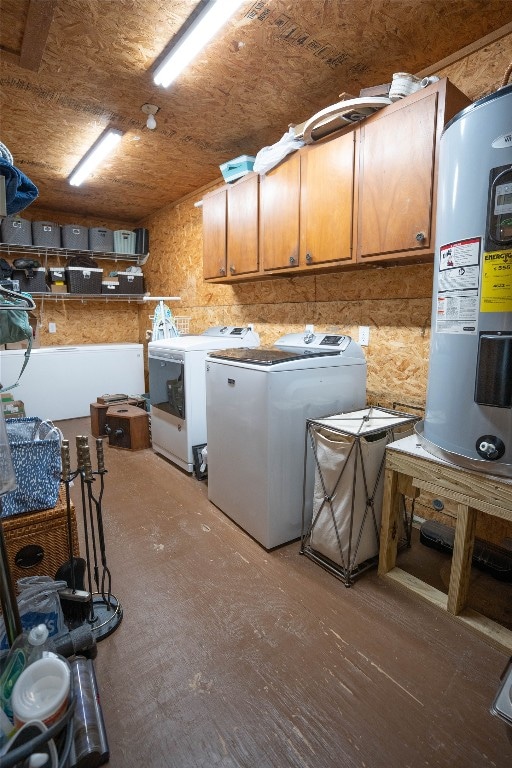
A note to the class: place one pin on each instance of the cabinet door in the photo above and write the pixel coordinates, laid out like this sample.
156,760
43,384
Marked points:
326,201
242,239
396,180
279,215
214,234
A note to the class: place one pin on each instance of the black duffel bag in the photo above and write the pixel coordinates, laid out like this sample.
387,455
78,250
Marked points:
27,266
84,261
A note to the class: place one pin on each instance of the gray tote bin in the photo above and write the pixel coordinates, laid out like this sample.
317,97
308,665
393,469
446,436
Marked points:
124,241
16,231
75,237
101,239
46,234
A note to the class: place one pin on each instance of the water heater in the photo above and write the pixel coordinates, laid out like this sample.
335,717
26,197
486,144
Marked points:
468,419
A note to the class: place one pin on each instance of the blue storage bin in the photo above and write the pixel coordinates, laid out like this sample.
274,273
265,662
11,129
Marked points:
235,169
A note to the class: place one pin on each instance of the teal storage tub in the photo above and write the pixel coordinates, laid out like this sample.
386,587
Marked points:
235,169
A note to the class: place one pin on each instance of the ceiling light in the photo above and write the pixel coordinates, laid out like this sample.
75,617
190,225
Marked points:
207,24
93,157
150,110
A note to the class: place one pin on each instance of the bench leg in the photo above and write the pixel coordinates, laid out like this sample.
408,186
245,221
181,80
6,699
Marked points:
389,522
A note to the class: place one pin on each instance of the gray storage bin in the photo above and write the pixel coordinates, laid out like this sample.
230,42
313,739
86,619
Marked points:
31,280
46,234
101,239
124,241
16,231
75,237
130,282
81,280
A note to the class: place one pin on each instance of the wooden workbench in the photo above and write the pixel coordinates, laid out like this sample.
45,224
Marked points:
409,469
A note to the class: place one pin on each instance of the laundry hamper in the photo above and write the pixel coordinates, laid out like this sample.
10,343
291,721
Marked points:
349,453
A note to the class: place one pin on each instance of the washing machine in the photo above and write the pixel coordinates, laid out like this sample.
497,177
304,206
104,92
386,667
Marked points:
177,388
257,404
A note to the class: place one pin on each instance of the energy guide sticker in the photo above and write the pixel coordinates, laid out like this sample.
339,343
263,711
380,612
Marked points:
458,287
496,293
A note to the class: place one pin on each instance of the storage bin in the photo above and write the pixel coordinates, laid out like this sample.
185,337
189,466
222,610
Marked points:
75,237
101,239
141,241
57,280
81,280
46,234
131,283
31,281
235,169
16,231
110,287
124,241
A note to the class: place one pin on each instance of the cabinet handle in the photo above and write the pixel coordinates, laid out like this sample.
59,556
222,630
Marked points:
420,237
232,269
222,271
309,258
292,259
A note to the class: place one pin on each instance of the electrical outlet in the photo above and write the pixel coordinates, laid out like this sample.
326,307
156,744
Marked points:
52,328
364,335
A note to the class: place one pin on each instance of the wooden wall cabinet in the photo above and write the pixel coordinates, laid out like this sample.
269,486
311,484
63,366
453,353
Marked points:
396,175
366,196
230,230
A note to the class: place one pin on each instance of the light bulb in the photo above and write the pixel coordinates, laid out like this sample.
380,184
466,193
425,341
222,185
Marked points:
151,122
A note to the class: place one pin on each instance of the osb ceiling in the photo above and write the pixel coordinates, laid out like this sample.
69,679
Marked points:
70,68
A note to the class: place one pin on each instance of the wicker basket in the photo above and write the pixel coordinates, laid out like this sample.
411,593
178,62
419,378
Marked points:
37,542
81,280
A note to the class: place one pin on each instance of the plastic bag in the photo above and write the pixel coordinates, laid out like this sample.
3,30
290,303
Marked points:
38,603
269,157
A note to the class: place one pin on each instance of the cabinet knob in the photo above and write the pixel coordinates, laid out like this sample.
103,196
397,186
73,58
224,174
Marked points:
309,258
222,271
232,269
292,260
420,237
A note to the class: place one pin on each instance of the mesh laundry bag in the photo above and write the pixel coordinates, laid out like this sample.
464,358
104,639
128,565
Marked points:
345,527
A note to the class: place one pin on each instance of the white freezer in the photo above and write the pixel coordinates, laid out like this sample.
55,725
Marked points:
62,382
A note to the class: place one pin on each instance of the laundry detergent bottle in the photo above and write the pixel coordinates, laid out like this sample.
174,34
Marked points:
28,647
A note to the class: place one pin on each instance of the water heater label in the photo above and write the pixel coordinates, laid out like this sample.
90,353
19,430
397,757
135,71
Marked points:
458,287
497,282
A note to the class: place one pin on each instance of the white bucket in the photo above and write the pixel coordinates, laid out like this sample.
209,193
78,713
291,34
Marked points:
41,691
403,84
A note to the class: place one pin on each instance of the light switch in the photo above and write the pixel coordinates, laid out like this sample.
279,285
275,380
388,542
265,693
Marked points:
52,328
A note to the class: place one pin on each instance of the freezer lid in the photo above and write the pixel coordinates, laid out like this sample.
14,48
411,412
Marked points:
270,355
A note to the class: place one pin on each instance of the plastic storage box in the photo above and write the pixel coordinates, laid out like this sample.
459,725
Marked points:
130,282
16,231
57,280
75,237
235,169
141,241
81,280
110,287
46,234
101,239
31,281
124,241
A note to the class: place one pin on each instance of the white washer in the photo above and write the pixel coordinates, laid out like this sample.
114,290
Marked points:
257,405
177,388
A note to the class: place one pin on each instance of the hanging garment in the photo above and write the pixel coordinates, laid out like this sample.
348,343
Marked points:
19,190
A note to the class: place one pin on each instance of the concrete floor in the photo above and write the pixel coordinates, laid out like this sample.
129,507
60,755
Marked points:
232,656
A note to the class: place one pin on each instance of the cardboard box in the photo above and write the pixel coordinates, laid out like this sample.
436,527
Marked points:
59,288
14,409
6,397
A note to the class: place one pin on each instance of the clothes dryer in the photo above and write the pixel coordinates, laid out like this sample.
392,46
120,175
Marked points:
177,388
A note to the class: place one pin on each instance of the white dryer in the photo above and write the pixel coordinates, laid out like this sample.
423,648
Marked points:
257,404
177,388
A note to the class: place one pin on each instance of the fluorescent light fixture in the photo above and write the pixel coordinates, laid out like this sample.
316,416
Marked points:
206,26
93,157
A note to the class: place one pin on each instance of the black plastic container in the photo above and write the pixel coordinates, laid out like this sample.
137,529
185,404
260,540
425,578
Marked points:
141,241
